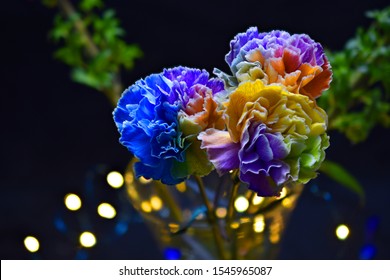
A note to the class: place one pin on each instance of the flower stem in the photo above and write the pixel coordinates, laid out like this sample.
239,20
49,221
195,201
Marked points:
233,194
92,50
211,218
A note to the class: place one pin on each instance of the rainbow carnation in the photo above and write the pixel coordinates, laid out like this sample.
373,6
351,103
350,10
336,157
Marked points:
160,117
274,137
294,61
262,121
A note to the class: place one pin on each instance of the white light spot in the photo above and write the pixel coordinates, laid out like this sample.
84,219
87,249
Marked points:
342,232
72,202
241,204
31,243
106,210
115,179
87,239
257,200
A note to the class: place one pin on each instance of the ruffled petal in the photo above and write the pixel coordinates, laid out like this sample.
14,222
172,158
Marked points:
221,150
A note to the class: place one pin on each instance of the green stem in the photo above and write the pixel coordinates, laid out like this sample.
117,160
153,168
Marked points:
113,93
68,9
168,198
211,218
233,194
230,215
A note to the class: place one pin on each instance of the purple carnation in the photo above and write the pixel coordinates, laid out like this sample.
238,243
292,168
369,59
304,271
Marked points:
272,44
295,61
260,157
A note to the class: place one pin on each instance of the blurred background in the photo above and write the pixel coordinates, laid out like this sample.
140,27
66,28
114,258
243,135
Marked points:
58,136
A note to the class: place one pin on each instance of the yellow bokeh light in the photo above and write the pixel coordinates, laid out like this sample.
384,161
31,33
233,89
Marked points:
87,239
287,202
143,180
283,193
115,179
173,227
146,207
241,204
156,203
221,212
259,224
106,210
31,243
257,200
235,225
342,232
72,202
129,178
274,238
181,187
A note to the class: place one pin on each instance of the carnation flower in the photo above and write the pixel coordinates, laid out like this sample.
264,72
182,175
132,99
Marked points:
159,118
295,61
274,136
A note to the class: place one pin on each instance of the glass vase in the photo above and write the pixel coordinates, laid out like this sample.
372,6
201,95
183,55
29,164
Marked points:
176,215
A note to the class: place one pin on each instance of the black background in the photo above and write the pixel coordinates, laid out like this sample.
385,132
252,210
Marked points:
53,131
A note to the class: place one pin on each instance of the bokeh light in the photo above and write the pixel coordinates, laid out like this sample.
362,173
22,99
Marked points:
241,204
143,180
342,232
146,207
115,179
259,224
221,212
106,210
72,202
87,239
181,187
283,193
156,203
31,243
257,200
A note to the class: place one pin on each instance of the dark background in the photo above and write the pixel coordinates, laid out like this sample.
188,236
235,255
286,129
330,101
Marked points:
56,134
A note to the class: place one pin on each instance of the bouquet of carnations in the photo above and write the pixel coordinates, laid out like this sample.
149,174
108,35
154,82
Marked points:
260,122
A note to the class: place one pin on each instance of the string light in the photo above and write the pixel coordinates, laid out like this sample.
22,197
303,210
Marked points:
241,204
31,243
342,232
115,179
87,239
72,202
106,210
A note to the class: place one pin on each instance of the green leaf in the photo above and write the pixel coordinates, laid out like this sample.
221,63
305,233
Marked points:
91,79
339,174
88,5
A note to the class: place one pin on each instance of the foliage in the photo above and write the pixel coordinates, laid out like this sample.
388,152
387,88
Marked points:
338,173
92,45
359,97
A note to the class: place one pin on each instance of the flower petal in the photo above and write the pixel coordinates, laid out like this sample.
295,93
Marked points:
222,151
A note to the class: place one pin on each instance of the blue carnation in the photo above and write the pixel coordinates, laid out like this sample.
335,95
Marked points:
147,119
